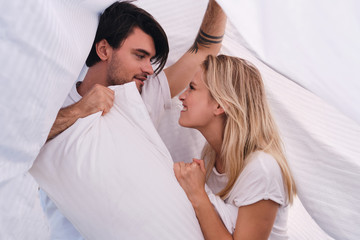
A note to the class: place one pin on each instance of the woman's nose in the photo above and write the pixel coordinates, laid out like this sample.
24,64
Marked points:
182,96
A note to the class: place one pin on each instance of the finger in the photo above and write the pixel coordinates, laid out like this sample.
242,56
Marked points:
176,168
183,169
106,95
201,163
104,107
202,166
110,93
111,101
100,90
194,165
105,111
195,160
181,166
107,105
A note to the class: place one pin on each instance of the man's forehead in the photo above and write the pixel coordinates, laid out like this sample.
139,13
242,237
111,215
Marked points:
141,41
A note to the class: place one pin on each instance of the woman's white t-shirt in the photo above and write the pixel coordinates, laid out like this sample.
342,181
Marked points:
261,179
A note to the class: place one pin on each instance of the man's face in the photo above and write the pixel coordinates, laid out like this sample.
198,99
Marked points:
132,60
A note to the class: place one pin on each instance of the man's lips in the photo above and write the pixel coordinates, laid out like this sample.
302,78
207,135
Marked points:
139,81
141,78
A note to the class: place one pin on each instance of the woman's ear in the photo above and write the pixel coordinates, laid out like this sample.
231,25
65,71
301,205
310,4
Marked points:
103,50
219,110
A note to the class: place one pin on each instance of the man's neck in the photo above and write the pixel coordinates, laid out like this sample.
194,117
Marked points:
95,75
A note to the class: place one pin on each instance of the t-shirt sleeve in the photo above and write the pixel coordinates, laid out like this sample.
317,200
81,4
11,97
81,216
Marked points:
260,180
156,96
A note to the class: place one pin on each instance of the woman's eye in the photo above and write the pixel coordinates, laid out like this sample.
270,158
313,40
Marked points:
191,87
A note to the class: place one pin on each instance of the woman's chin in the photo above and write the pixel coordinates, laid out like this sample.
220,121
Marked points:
182,123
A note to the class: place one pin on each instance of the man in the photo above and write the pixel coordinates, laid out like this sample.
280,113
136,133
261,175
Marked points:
127,42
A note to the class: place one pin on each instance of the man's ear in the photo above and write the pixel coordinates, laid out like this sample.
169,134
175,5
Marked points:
219,110
103,50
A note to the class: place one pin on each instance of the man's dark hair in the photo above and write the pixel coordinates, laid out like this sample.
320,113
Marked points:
117,23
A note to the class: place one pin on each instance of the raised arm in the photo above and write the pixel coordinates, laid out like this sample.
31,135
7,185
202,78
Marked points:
208,41
99,98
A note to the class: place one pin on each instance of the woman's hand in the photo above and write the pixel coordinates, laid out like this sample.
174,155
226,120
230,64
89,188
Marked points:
191,177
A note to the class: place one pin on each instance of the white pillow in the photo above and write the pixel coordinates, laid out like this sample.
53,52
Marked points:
112,176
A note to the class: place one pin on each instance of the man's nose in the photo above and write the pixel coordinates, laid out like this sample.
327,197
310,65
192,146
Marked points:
148,69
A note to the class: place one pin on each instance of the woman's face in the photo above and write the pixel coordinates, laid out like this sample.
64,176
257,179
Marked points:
198,105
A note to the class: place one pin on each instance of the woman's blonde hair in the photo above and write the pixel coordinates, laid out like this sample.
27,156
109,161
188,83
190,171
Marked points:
237,86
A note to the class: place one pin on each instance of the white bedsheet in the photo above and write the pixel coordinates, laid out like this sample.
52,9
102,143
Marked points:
47,43
319,126
43,47
314,45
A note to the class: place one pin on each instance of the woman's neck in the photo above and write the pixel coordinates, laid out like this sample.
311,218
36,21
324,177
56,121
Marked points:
214,136
219,165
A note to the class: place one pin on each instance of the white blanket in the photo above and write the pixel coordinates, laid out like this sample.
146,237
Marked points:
318,117
43,46
46,45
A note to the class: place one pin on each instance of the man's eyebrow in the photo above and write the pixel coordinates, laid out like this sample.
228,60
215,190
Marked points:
143,51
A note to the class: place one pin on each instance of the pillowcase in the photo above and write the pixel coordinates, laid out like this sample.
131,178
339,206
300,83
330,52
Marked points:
112,176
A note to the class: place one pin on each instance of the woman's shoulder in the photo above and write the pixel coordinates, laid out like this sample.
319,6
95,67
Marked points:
260,179
262,162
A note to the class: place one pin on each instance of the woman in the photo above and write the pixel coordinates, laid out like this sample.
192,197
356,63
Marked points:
245,163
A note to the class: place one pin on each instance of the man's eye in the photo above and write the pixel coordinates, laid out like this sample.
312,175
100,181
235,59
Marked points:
140,56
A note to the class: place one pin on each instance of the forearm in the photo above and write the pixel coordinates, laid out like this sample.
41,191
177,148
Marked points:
210,222
208,41
64,119
211,32
98,98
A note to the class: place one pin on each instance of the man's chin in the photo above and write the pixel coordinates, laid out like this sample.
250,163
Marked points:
139,85
139,88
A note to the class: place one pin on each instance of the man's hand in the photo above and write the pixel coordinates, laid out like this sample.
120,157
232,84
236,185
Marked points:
99,98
